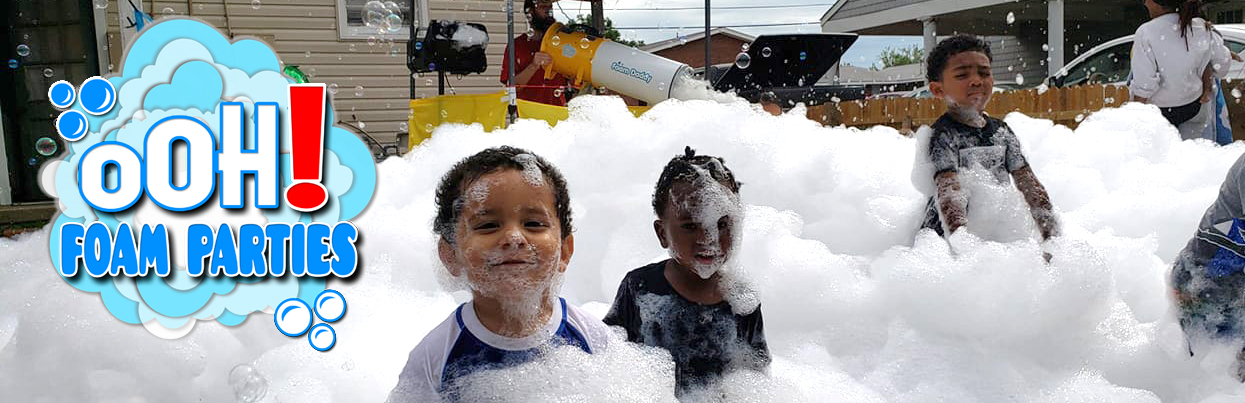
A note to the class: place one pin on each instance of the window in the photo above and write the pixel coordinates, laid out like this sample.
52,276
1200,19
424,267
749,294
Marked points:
350,19
1112,65
1234,46
1230,17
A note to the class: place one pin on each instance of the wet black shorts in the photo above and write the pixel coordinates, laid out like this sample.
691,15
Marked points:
1180,114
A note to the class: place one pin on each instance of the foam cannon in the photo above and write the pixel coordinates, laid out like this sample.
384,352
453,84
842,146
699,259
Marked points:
582,58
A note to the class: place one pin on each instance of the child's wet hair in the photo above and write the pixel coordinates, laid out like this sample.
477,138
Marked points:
683,168
450,192
936,62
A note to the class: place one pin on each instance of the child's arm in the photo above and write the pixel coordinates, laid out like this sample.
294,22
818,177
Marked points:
756,339
624,312
952,201
1038,200
1208,85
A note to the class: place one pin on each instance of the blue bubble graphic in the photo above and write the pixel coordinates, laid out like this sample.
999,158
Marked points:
13,64
98,96
322,337
327,308
61,94
71,125
292,317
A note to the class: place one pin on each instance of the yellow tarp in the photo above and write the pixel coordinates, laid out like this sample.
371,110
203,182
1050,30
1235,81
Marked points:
488,110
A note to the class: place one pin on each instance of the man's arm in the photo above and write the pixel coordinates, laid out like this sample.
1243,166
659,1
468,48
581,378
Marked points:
1039,201
952,202
539,59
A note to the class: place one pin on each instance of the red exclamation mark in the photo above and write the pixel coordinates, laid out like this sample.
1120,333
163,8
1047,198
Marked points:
307,147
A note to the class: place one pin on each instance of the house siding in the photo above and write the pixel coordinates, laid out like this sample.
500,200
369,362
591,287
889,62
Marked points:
304,34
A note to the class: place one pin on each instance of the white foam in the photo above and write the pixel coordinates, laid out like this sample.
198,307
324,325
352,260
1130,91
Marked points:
853,308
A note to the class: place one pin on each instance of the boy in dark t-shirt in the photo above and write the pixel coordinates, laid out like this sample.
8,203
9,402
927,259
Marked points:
680,304
965,138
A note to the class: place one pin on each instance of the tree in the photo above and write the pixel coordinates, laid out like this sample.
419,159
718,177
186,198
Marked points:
892,57
610,32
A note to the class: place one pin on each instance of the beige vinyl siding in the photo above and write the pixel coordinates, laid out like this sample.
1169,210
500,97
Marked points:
296,27
1024,58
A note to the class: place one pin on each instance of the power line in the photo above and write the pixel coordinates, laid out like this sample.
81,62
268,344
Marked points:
722,8
781,24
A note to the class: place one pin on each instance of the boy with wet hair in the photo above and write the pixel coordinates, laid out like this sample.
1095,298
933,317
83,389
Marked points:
958,70
687,304
504,221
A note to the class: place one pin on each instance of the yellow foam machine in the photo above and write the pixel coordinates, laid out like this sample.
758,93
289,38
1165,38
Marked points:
604,63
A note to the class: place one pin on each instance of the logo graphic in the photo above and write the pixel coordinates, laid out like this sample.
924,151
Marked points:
294,318
190,117
638,74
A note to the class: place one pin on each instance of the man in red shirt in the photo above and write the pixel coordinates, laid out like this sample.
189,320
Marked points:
531,62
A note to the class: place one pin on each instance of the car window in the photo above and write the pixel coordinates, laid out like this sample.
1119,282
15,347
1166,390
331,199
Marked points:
1235,47
1110,65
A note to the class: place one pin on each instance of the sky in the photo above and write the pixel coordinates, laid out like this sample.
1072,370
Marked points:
633,16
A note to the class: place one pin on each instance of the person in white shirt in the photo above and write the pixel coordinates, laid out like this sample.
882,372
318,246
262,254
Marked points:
1171,54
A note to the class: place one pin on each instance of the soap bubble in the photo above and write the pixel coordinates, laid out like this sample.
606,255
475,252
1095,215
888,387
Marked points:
743,60
333,88
374,13
247,384
556,40
766,52
23,50
358,90
1011,17
46,146
47,72
255,4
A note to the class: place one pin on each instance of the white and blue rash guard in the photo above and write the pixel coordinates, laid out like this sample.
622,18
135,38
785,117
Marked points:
461,345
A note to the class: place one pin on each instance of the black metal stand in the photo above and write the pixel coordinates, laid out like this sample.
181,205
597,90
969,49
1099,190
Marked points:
440,83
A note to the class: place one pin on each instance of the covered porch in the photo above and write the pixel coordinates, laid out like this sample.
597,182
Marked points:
1052,30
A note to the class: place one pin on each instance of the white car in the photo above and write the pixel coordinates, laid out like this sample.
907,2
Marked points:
1111,62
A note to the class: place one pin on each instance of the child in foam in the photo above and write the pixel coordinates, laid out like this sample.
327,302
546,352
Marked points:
504,220
964,137
1207,278
691,303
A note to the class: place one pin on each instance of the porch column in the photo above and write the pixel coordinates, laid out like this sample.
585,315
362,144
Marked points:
931,36
1054,36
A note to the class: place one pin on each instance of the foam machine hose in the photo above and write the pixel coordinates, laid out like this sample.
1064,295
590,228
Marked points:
581,57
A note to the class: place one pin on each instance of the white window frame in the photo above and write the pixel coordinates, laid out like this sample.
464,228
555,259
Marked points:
419,8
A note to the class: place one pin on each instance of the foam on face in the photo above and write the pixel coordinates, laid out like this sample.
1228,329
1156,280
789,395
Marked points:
531,170
852,304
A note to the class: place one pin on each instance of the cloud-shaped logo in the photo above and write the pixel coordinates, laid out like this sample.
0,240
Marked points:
185,67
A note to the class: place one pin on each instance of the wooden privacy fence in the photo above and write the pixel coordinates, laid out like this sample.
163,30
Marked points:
1065,106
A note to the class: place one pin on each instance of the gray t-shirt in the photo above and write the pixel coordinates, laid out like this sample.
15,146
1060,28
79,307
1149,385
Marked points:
955,145
1219,233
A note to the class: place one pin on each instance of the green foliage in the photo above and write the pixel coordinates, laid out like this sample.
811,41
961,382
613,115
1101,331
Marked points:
898,57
